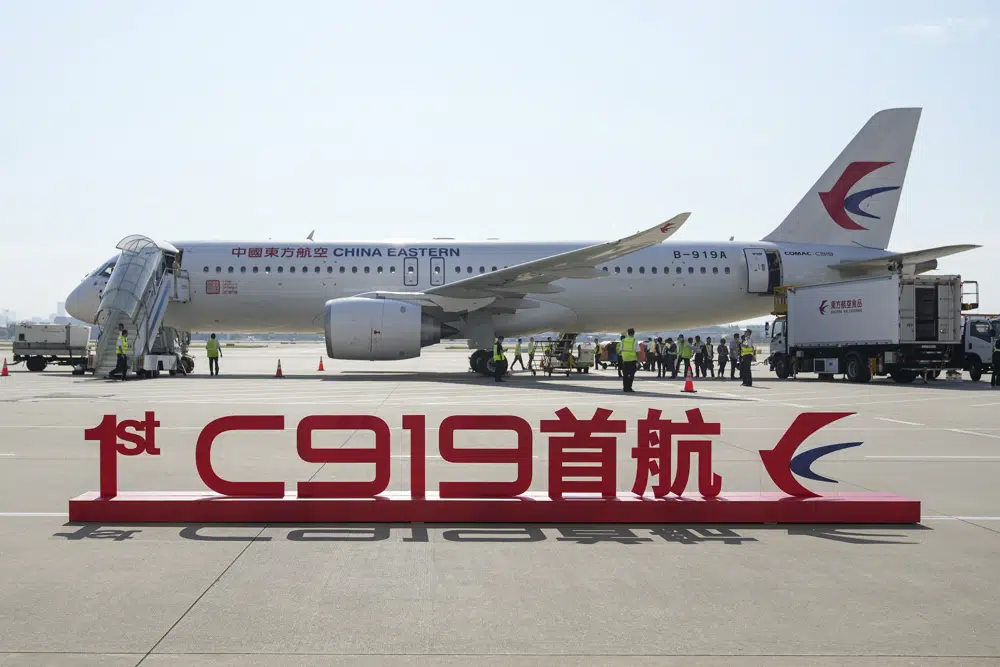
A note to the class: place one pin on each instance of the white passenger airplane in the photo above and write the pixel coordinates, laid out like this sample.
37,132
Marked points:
386,300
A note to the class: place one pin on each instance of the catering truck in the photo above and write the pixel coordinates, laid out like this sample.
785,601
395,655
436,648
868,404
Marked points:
977,343
39,345
900,326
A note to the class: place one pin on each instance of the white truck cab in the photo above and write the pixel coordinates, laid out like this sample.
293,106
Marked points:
978,334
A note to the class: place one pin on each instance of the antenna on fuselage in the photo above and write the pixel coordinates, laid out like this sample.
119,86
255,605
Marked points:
310,237
731,238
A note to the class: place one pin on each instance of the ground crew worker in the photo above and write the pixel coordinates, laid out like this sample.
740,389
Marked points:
517,355
658,356
618,354
734,357
685,350
531,352
121,350
746,357
709,358
499,361
723,358
214,352
699,357
995,378
597,354
670,361
628,360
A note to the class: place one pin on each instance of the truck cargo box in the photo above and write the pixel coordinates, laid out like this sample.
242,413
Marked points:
876,311
62,336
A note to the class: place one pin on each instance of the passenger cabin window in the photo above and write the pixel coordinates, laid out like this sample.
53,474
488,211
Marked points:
482,269
618,269
243,269
329,269
642,269
230,270
281,269
218,269
652,269
379,270
392,269
678,269
690,269
458,269
205,269
367,269
628,270
255,269
342,269
494,268
354,269
727,269
715,269
267,270
703,269
291,269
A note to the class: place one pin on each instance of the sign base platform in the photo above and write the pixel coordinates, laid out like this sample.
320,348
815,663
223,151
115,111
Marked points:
626,508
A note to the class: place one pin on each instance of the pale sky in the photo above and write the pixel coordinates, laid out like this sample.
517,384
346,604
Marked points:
554,120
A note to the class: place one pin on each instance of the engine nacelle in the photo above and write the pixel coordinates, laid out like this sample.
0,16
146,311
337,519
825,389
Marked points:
377,329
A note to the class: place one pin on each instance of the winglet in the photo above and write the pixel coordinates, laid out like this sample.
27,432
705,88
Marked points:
648,237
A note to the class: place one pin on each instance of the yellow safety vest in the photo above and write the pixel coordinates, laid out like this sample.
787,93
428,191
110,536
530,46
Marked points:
517,348
122,345
686,350
996,346
746,349
531,347
628,349
497,356
212,346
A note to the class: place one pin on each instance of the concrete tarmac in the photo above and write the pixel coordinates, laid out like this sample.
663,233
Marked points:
420,595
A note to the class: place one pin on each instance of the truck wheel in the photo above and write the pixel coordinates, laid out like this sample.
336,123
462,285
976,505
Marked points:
782,367
35,364
975,370
856,368
903,377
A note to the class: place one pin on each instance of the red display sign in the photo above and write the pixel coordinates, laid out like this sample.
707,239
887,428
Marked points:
582,474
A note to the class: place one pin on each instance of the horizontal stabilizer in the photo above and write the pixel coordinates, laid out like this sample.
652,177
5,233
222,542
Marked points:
901,259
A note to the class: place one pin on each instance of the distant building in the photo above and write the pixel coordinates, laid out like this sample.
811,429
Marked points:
60,309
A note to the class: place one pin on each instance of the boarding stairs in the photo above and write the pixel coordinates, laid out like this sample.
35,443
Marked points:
146,278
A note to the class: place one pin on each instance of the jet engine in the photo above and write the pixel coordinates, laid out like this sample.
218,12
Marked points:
377,329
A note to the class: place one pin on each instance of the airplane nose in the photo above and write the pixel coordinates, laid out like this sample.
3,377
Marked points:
76,305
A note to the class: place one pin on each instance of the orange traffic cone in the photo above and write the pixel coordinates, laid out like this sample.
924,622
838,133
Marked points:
4,373
278,373
320,364
688,383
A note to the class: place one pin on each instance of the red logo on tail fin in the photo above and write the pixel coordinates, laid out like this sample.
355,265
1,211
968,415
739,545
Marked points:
835,200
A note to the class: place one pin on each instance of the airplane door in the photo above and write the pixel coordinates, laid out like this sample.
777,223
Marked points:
437,271
757,272
410,273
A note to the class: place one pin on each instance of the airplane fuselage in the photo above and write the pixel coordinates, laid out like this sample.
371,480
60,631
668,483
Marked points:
281,288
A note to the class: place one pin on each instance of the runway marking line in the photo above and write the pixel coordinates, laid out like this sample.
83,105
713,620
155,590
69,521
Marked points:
984,435
898,421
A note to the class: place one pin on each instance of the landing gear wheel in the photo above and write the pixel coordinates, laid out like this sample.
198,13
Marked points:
188,364
857,369
478,361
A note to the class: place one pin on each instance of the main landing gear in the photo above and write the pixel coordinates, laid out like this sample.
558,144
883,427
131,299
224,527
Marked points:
481,361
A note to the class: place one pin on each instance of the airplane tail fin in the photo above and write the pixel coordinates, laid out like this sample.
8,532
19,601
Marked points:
854,202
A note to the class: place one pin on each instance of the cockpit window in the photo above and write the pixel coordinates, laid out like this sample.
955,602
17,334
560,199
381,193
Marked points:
105,270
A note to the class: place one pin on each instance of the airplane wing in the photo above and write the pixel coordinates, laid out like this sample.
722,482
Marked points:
901,258
537,276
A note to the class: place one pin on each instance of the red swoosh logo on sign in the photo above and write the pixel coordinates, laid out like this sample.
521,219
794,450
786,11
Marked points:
778,461
833,201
